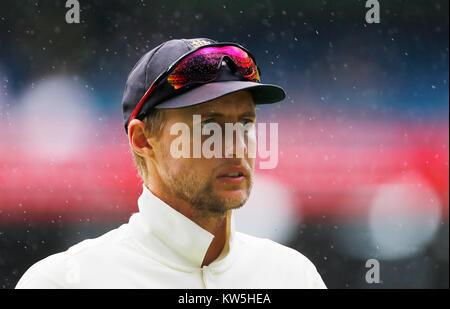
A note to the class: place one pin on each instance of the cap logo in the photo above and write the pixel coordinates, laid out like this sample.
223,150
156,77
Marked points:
198,43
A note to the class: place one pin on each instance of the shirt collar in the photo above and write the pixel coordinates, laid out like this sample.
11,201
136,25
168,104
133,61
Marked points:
173,236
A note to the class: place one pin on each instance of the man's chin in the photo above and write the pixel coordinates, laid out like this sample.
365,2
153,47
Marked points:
233,198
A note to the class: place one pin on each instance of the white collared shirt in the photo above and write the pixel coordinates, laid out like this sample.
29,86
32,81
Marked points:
161,248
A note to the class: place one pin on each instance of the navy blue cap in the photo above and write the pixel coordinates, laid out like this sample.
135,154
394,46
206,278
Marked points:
159,59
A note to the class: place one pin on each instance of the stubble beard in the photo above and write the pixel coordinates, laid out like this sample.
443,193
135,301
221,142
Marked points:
186,185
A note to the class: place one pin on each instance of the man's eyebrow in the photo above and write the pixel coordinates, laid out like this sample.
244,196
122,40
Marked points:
249,114
212,115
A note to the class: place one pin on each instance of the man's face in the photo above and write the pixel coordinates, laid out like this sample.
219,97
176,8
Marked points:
205,183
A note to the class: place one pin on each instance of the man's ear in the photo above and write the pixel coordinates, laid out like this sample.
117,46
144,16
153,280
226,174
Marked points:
139,141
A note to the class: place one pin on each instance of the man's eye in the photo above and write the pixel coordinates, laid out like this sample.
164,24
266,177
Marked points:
204,122
246,121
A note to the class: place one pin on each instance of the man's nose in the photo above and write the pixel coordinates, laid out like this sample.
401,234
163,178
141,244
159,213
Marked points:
235,144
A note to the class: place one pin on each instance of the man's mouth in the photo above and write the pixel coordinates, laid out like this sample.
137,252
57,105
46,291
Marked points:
233,175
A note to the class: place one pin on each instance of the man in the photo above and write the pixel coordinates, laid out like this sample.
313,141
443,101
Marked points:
183,235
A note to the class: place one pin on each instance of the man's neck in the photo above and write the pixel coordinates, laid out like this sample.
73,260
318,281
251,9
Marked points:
220,241
219,226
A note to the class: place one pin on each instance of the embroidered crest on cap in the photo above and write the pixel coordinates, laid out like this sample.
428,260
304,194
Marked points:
198,42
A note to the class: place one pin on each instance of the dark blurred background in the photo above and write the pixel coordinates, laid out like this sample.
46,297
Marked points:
363,135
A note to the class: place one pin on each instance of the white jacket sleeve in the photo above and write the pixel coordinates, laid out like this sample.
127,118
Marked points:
316,281
33,279
49,273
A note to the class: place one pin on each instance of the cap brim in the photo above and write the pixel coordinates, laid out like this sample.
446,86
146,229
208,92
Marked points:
262,93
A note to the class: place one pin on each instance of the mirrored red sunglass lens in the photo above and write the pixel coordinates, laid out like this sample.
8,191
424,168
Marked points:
195,68
243,61
203,65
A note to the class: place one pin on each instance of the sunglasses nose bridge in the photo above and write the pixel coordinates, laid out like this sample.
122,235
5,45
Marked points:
225,59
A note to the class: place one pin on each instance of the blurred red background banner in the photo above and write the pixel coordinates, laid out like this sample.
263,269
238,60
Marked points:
332,169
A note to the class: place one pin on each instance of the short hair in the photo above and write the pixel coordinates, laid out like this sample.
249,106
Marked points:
154,123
